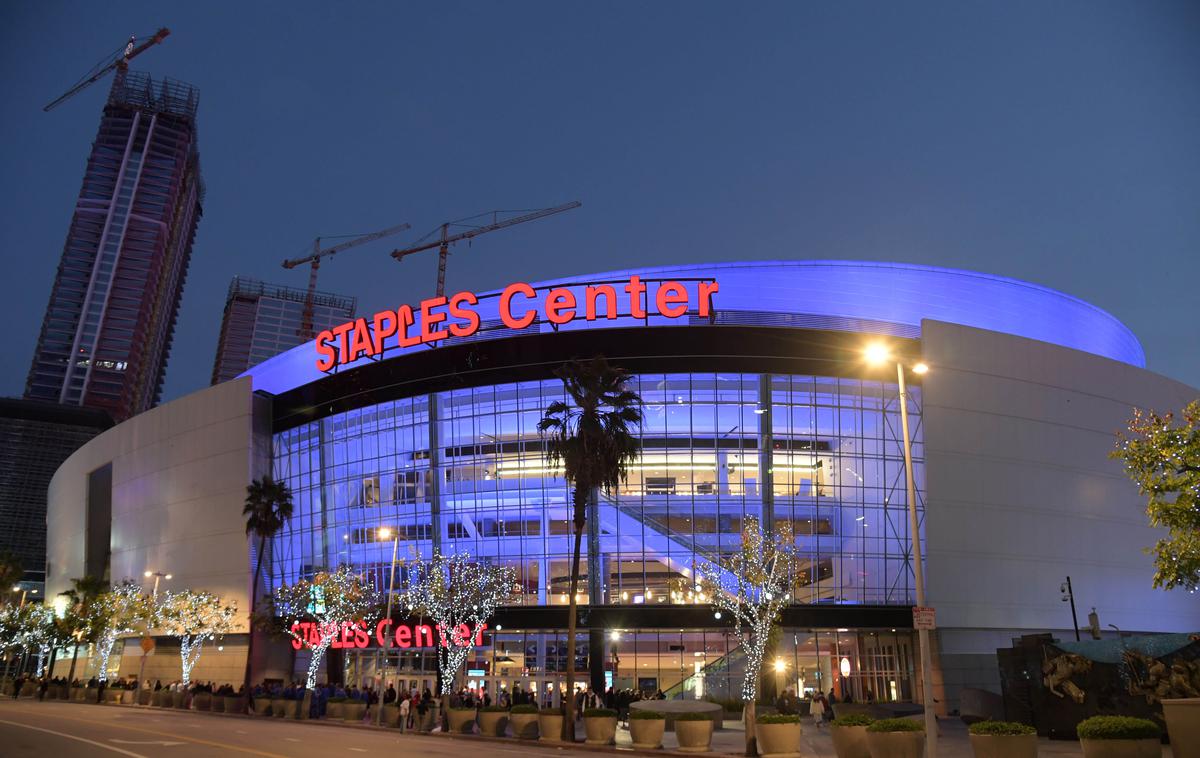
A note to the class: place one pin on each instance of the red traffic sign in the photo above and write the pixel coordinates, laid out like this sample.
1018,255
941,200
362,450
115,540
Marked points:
924,618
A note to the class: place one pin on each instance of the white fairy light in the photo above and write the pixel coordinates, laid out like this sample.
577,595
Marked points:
121,610
195,618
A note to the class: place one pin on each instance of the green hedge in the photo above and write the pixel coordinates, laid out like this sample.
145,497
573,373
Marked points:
1117,728
640,715
853,719
896,725
693,716
493,709
470,708
599,713
524,708
1001,728
779,718
337,699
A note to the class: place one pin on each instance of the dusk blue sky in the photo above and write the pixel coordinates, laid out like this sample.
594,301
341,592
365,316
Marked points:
1057,142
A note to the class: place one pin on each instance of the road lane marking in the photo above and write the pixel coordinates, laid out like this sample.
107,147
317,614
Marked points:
73,737
358,750
291,739
145,742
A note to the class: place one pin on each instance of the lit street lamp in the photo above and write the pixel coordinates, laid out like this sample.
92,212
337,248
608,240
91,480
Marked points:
157,575
383,534
878,354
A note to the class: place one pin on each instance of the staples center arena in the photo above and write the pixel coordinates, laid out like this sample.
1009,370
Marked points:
758,402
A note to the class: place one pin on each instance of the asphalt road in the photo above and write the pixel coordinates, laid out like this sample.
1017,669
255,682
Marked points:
64,730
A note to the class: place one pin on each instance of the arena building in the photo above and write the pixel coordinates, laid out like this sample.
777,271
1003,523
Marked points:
758,402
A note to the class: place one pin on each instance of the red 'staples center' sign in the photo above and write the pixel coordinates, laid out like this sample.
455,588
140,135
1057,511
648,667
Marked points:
520,306
357,634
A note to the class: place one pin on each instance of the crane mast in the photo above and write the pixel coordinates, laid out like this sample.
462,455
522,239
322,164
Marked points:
314,260
445,238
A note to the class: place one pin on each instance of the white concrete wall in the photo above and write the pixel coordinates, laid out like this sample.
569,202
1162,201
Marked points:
1021,494
179,483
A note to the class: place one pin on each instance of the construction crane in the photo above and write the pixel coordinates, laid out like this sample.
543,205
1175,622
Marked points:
314,259
446,239
118,61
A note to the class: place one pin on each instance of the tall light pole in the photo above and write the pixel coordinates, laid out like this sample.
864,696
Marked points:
24,592
878,354
148,642
384,533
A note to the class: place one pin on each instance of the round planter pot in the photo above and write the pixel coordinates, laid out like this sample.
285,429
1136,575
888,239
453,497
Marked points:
1183,726
391,715
233,704
462,720
144,697
778,740
600,730
1150,748
647,734
291,709
217,704
1004,746
353,710
850,741
127,696
64,692
176,699
334,710
896,744
493,723
550,727
694,736
524,725
202,701
277,707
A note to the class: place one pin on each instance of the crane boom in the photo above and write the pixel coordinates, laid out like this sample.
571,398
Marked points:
314,260
120,61
446,239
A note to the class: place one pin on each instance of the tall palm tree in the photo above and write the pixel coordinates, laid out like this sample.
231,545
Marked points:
82,594
268,507
593,440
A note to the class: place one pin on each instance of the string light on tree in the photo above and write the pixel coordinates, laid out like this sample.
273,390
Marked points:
752,586
328,601
195,618
121,610
455,591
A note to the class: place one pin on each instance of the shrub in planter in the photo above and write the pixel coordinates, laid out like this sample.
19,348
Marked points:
1183,725
896,738
524,721
493,721
462,720
694,732
646,729
778,735
849,735
600,725
1003,739
1119,737
353,710
550,725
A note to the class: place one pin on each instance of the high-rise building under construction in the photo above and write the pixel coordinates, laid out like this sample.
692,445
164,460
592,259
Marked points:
263,320
108,327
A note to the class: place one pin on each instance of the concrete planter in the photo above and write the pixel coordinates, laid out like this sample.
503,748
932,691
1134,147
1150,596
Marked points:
144,696
391,715
462,720
276,708
1004,746
1148,748
64,692
334,710
291,709
127,696
218,704
647,734
850,741
176,700
233,703
600,730
524,725
1183,726
493,723
202,701
694,736
550,726
896,744
353,710
778,740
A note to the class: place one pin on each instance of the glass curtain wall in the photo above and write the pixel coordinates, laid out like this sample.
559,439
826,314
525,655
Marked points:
464,471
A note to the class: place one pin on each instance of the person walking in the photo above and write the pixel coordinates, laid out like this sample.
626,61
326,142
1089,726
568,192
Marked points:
818,710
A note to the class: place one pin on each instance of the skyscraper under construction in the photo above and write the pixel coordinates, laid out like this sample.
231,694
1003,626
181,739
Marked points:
108,327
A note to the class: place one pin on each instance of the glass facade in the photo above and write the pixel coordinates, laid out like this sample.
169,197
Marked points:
471,476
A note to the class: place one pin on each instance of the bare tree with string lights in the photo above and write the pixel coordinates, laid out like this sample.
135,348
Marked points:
194,618
122,610
459,595
315,611
752,586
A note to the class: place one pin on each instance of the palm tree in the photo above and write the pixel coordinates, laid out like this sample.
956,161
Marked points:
593,440
268,508
82,594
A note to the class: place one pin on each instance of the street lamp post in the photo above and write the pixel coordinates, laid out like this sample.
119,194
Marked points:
878,354
146,647
384,533
24,592
1068,594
